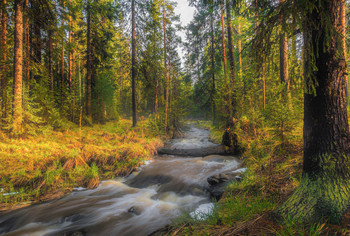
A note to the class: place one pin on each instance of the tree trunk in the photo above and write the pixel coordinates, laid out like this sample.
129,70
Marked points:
70,72
324,191
166,72
223,43
3,67
62,54
213,93
231,56
343,33
156,83
239,48
88,61
18,68
261,68
284,59
263,80
133,65
227,97
36,39
50,50
295,62
27,47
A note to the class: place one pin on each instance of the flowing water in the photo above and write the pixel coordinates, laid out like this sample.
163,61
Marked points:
137,205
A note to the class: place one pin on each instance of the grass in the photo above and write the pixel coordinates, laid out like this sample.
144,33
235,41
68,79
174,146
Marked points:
52,163
274,171
246,208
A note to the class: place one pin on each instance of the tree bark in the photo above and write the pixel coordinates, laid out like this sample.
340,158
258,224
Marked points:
156,83
223,43
227,96
213,93
36,39
133,64
70,72
165,71
18,68
324,191
239,48
50,50
262,69
231,56
88,61
62,54
284,58
3,67
27,47
343,33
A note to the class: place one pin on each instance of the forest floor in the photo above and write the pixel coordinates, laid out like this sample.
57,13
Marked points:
273,173
50,164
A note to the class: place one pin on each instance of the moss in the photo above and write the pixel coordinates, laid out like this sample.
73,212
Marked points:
324,196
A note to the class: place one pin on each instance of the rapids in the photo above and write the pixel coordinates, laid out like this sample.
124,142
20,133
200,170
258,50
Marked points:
137,205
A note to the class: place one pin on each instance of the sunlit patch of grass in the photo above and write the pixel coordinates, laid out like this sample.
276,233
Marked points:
58,161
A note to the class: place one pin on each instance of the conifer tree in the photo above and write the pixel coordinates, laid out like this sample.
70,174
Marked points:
323,192
18,67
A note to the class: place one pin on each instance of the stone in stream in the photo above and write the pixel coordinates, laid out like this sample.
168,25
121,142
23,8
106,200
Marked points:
75,233
224,177
135,210
219,182
217,179
216,191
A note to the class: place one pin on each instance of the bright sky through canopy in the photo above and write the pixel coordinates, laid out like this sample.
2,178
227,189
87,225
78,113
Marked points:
186,15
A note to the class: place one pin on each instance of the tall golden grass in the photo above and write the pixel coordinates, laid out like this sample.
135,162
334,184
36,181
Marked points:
58,161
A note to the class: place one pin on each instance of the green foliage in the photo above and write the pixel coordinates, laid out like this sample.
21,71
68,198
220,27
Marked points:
244,207
105,104
290,227
280,116
92,172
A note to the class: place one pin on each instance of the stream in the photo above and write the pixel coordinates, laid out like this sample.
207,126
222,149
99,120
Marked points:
173,182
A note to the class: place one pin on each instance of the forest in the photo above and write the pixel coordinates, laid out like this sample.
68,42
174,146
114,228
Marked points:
112,123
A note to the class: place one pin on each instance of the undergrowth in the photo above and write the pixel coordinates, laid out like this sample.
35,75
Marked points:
274,171
51,163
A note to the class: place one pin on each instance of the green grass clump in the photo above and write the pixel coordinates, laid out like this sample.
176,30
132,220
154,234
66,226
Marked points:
243,207
290,227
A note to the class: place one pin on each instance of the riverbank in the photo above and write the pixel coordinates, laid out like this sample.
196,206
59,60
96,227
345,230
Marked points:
273,173
139,204
51,164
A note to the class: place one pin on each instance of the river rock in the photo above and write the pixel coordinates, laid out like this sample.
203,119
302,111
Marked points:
219,182
216,191
75,233
238,178
135,210
217,179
